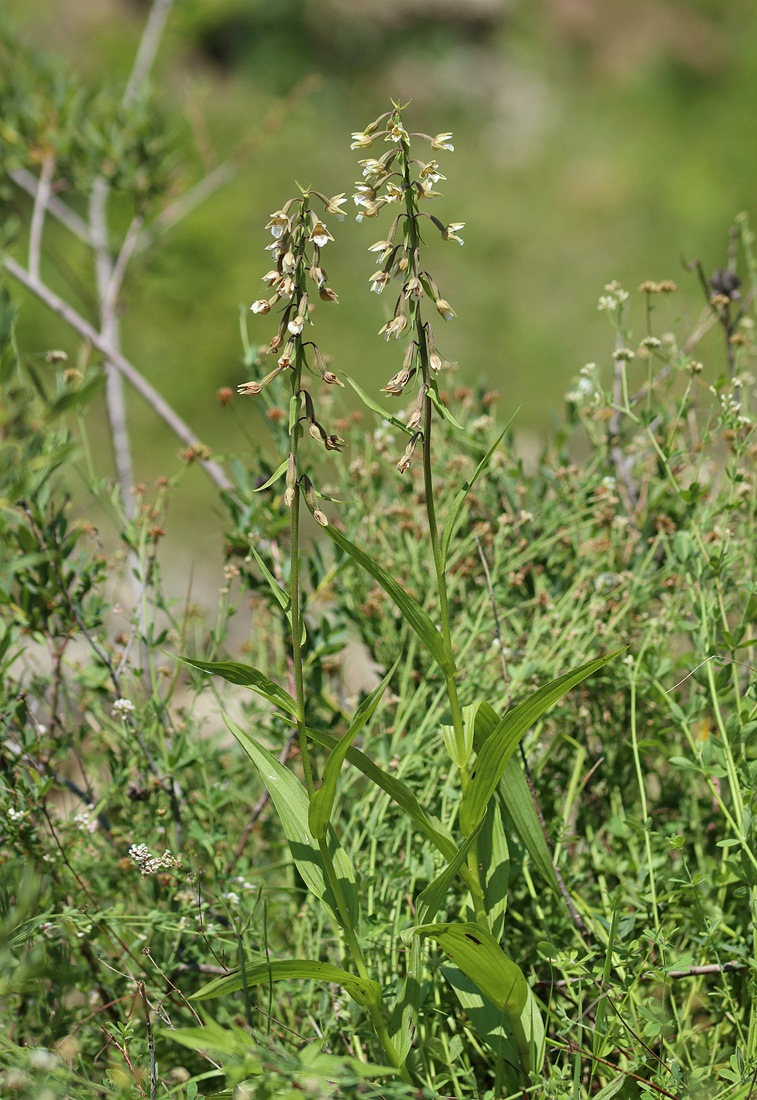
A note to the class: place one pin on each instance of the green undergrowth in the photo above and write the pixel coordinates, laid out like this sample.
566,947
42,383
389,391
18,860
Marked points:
141,859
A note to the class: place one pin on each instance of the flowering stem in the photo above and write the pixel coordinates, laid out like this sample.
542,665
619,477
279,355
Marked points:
428,480
421,338
294,572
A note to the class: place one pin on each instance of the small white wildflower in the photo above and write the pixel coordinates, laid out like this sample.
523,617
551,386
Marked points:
608,482
123,706
278,223
86,822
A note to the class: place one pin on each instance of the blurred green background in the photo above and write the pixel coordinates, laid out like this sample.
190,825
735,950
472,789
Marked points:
594,140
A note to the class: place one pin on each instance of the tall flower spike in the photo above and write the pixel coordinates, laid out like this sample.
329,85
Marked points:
403,181
299,235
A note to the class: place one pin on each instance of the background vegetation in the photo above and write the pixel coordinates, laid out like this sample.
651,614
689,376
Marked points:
140,856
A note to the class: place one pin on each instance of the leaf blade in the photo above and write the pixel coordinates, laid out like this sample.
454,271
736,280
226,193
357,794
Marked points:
411,610
363,990
500,745
246,676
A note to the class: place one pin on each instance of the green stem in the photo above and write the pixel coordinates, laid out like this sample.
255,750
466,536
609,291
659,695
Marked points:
294,572
428,485
351,940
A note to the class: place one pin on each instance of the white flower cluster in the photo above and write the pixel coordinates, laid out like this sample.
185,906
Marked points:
86,822
123,706
149,864
614,298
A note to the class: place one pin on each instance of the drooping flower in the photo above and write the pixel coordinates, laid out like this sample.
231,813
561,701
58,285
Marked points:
443,141
278,224
319,234
451,231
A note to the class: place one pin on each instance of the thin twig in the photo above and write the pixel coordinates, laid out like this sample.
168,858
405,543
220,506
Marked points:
28,182
656,975
107,292
148,48
41,200
119,268
150,1042
130,372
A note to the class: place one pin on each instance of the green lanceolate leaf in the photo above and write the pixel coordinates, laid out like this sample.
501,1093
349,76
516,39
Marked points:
457,503
491,1025
428,901
493,855
367,400
274,477
322,802
364,991
247,676
400,793
498,748
282,598
518,800
411,610
461,756
441,408
291,802
476,952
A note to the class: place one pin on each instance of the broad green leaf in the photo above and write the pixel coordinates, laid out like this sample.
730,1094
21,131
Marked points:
247,676
274,476
490,1024
518,800
364,991
493,857
367,400
322,802
229,1039
407,1007
498,748
400,793
291,802
412,611
476,952
460,496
